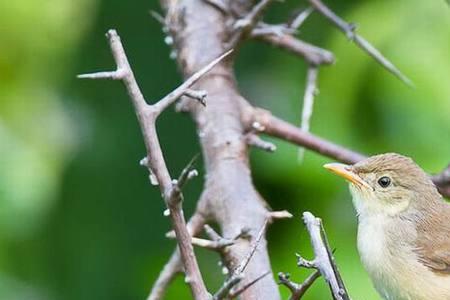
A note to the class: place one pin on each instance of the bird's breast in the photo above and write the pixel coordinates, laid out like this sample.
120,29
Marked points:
387,255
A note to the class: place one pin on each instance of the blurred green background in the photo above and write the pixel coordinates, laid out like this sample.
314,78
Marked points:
78,218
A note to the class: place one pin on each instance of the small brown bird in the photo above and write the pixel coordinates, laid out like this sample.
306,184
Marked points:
403,227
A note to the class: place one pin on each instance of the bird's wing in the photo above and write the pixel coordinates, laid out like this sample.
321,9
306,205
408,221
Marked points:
433,240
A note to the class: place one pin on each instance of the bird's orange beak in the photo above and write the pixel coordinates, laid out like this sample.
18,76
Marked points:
346,172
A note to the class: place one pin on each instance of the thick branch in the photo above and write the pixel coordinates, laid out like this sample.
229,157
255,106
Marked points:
278,128
201,32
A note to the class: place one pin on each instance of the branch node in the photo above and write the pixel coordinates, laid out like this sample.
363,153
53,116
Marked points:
254,140
309,264
152,177
297,290
258,126
244,26
162,104
199,95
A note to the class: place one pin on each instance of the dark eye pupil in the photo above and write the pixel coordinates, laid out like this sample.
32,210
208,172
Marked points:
384,181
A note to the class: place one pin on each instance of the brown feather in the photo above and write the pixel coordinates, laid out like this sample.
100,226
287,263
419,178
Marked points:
433,237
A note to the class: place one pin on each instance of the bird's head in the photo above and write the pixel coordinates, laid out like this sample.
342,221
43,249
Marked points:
387,184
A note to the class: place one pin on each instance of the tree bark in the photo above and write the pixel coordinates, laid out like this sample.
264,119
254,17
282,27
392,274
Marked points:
200,34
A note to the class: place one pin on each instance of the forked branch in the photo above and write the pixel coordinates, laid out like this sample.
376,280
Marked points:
238,273
323,263
323,260
297,290
147,115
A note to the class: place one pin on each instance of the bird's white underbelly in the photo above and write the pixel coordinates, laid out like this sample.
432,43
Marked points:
394,268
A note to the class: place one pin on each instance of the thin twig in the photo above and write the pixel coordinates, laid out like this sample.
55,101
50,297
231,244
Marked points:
241,267
308,102
224,290
238,273
157,17
276,127
236,293
301,18
349,30
281,214
186,174
254,140
218,245
312,54
305,285
245,25
213,235
271,29
324,261
298,290
162,104
200,95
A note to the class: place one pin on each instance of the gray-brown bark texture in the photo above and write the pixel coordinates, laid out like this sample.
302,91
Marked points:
200,35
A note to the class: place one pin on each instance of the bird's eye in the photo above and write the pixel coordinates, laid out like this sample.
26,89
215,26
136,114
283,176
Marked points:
384,181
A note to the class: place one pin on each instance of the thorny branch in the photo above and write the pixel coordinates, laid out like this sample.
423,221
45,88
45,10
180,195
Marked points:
349,30
238,273
174,266
297,290
224,128
235,293
245,25
323,260
147,115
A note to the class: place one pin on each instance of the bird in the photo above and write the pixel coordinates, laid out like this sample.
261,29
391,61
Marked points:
403,236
